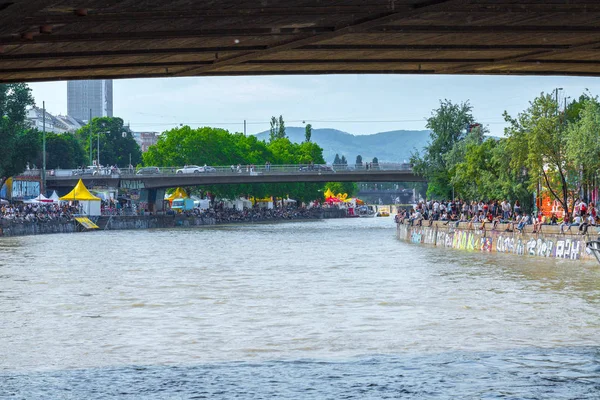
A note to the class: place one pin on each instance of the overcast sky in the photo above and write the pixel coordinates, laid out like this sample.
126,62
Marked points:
358,104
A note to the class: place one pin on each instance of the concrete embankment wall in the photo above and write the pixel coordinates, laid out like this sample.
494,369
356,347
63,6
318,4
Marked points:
549,243
108,223
152,222
128,222
35,228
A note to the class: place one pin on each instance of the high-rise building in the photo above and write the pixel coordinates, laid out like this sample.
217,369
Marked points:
85,95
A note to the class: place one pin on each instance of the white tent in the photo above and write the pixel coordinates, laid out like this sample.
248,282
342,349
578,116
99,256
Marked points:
54,197
40,199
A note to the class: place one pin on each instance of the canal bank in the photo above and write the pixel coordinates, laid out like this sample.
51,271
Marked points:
550,243
9,228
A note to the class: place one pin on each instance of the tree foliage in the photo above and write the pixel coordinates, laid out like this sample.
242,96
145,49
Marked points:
18,144
214,146
307,132
538,143
116,142
281,131
449,125
62,150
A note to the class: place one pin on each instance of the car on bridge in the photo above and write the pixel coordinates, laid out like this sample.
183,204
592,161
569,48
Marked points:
95,170
317,168
148,171
190,169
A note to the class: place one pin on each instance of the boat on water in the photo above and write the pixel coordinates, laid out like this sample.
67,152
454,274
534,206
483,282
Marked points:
383,211
594,247
365,212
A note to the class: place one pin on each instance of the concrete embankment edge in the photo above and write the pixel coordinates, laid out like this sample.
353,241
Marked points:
135,222
549,244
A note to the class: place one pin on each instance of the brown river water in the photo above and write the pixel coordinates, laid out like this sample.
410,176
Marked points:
319,309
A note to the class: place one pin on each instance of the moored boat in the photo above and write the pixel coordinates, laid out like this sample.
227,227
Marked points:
365,212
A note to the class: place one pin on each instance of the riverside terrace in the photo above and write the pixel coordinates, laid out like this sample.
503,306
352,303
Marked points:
168,177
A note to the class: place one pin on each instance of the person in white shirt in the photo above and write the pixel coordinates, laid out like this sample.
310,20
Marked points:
589,220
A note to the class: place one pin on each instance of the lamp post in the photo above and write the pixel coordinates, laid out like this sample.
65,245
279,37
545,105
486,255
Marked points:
44,146
98,151
90,133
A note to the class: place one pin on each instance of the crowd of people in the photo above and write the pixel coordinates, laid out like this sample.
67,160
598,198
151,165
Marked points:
221,214
22,213
480,214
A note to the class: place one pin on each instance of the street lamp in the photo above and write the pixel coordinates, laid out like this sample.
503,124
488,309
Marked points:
44,145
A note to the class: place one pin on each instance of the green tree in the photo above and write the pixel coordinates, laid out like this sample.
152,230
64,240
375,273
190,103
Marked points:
116,145
18,144
274,129
307,132
281,128
337,160
359,161
583,139
449,124
538,143
343,161
215,146
375,163
62,151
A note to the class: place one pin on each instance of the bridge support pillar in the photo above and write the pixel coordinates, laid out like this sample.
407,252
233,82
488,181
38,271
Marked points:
155,199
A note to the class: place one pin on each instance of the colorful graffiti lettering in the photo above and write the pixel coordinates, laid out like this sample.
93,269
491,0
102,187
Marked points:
486,244
450,237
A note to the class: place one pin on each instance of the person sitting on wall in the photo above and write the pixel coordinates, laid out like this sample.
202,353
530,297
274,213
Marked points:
431,219
474,220
510,225
576,222
553,219
524,221
564,223
496,221
537,224
418,218
589,220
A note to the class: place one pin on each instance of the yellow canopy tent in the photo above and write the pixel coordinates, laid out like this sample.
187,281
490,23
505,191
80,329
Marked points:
255,200
89,204
79,193
179,193
328,194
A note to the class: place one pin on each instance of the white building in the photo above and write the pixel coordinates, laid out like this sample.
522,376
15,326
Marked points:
58,124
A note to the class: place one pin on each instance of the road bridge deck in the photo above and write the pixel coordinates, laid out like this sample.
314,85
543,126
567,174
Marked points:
226,175
42,40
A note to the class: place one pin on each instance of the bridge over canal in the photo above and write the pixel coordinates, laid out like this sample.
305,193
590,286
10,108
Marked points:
168,177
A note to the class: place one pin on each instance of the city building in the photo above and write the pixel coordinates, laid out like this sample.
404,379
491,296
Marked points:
94,95
145,139
55,124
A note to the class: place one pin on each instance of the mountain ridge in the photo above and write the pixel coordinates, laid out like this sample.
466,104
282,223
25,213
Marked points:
388,146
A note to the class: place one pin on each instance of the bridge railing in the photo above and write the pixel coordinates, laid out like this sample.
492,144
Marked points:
109,172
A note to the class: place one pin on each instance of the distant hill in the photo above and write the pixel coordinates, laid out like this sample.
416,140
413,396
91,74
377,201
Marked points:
392,146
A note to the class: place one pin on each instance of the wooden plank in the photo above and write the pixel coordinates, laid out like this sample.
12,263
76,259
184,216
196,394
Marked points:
11,17
516,59
355,27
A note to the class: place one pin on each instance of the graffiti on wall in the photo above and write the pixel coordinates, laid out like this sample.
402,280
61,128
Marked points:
512,243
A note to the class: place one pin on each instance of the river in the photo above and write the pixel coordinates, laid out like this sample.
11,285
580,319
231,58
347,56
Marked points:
301,310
